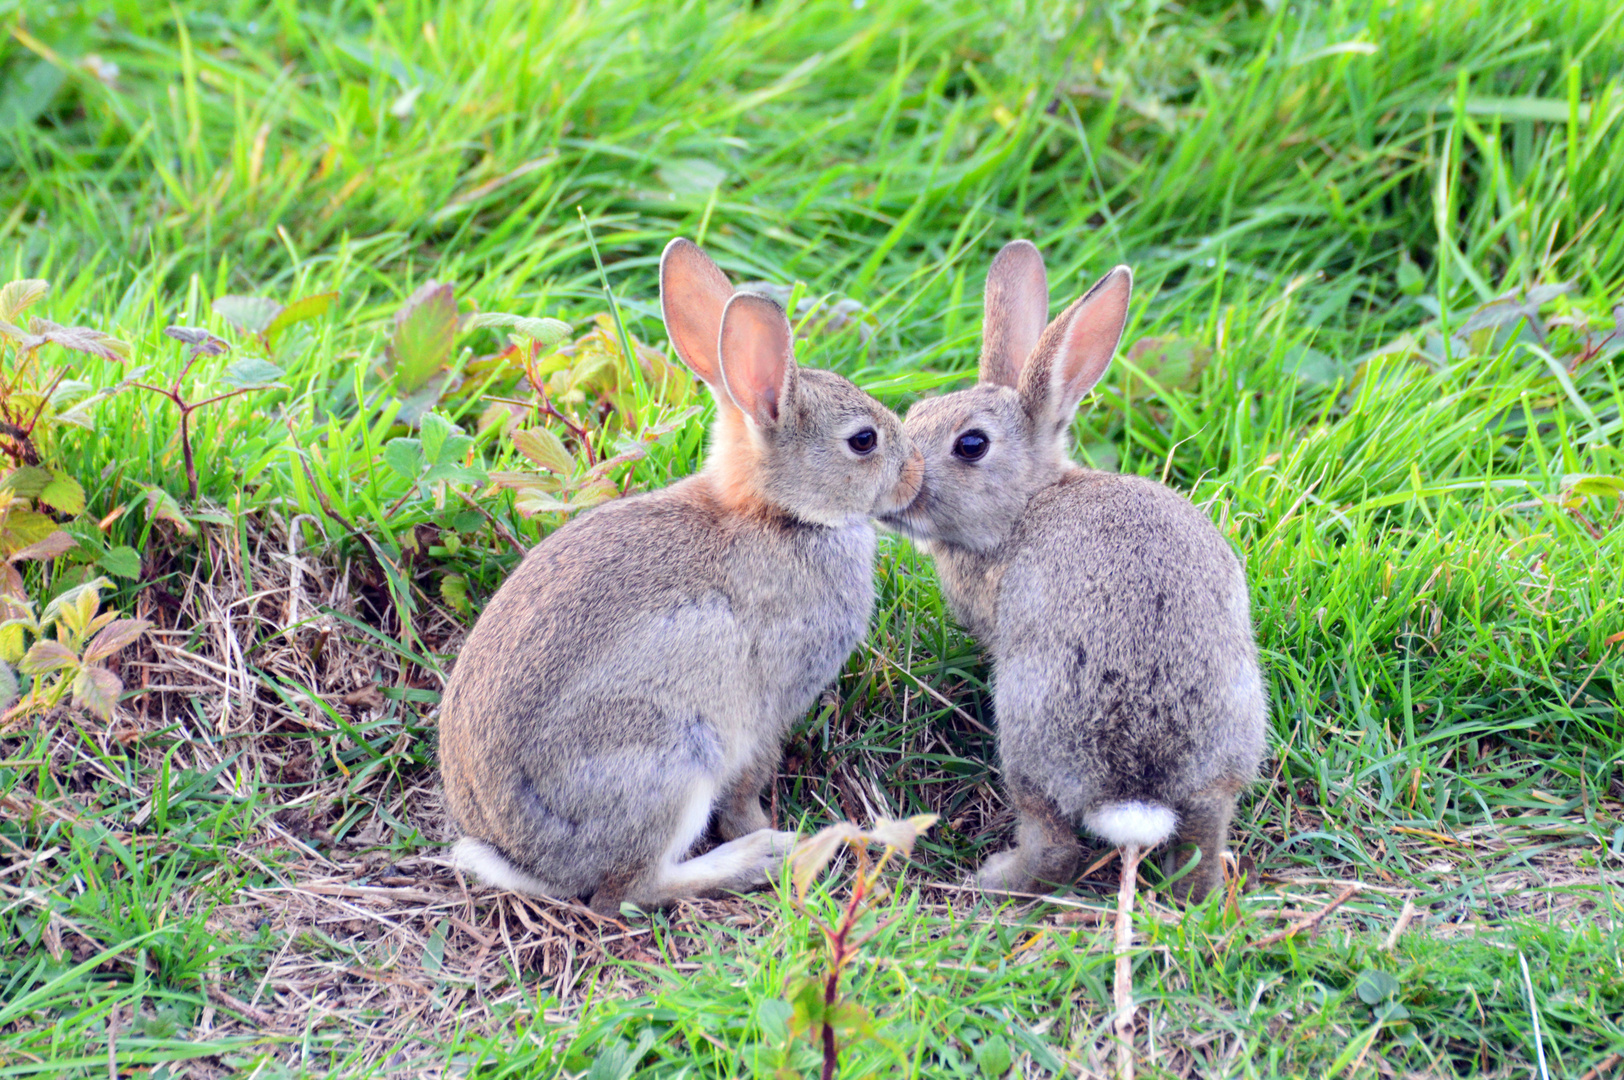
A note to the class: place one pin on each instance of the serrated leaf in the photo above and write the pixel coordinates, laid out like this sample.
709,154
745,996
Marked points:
806,1008
71,598
252,373
545,449
425,330
454,591
47,656
18,296
301,310
96,690
202,342
811,855
544,332
116,635
27,481
123,561
56,544
161,506
405,457
11,642
81,339
250,313
64,493
21,529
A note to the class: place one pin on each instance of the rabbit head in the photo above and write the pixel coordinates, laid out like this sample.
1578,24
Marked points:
799,441
988,449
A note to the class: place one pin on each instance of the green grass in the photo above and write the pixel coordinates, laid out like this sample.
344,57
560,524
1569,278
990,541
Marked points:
1315,199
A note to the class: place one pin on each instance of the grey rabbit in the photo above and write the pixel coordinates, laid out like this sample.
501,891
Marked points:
635,677
1125,674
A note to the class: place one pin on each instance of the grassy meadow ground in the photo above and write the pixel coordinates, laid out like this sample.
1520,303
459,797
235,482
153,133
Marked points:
1378,253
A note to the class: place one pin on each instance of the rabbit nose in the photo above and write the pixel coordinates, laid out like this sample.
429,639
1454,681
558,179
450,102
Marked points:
908,484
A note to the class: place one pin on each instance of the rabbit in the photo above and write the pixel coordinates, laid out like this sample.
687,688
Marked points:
634,679
1125,674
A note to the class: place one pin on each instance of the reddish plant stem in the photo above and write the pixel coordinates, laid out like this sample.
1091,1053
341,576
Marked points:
838,955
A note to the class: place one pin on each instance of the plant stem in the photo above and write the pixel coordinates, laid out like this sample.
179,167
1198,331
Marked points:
186,451
1123,990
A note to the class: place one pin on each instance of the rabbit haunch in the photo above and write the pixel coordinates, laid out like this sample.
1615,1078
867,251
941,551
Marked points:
629,688
1125,676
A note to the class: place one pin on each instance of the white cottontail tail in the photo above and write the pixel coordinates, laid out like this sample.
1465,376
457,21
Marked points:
1126,680
636,676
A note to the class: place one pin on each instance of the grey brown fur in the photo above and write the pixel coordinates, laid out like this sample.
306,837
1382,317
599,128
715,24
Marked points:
1126,681
632,682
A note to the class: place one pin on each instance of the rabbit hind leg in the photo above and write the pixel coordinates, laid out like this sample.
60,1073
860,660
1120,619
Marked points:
1204,822
1046,852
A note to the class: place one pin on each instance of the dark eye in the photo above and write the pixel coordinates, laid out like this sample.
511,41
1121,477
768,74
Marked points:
971,446
864,441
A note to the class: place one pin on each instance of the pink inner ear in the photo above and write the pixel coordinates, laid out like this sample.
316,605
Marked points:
1091,338
1016,308
693,292
757,360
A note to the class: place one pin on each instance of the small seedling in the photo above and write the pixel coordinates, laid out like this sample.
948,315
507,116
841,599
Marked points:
75,659
819,1011
241,377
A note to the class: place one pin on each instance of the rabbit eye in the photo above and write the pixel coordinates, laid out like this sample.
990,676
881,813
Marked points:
971,446
864,441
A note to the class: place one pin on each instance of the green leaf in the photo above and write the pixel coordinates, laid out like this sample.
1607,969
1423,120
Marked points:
1411,282
250,313
405,457
849,1019
161,506
22,529
18,296
993,1056
435,429
96,690
116,635
63,493
425,330
1599,486
1375,986
806,1008
123,561
454,472
454,591
1314,367
251,373
8,686
545,449
27,481
47,656
545,333
301,310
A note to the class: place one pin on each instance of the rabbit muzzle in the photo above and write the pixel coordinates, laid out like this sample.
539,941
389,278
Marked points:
909,483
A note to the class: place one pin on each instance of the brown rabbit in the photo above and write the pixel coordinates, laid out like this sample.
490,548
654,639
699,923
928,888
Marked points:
1125,676
635,678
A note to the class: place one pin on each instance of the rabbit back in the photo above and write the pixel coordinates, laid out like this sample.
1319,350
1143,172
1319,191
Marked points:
1126,671
638,660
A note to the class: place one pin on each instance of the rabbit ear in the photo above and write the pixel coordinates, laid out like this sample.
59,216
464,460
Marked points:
693,291
1016,306
1076,348
758,362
